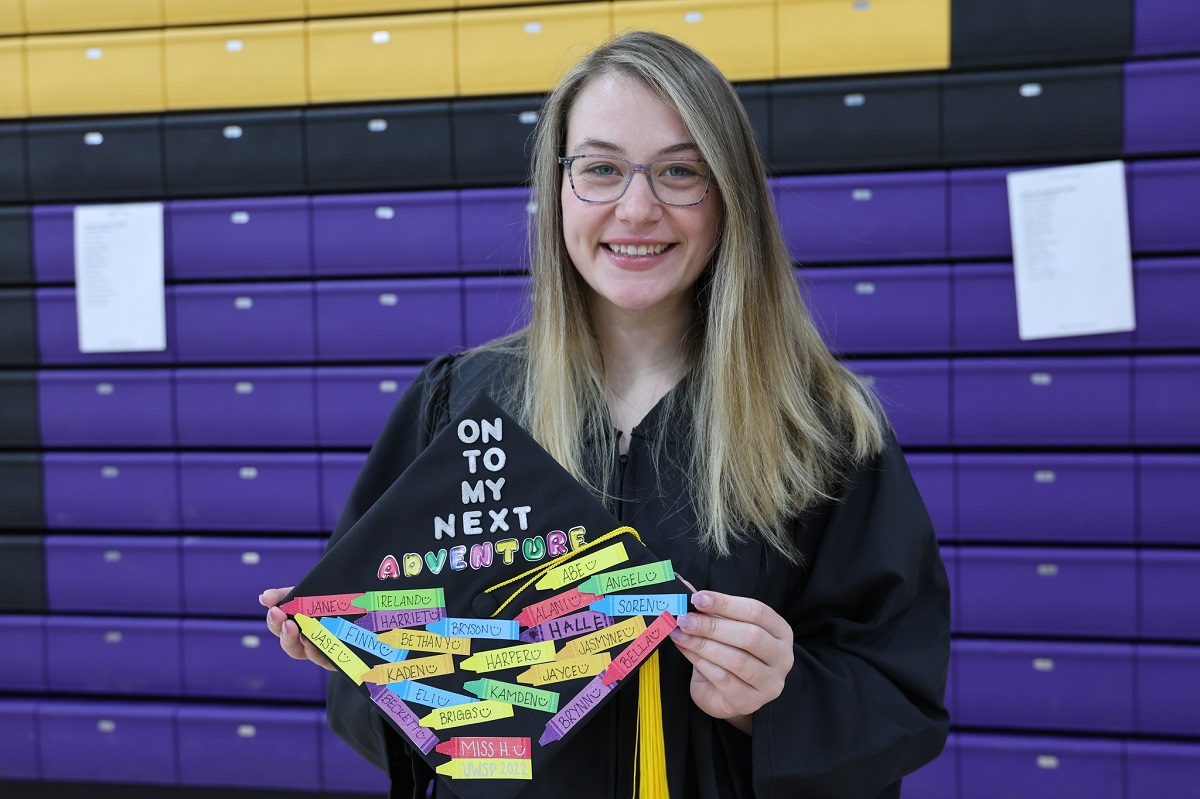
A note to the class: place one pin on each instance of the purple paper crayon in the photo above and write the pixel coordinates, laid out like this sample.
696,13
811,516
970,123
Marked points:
378,621
567,626
575,710
422,737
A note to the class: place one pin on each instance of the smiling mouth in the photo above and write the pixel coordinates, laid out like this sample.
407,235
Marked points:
636,250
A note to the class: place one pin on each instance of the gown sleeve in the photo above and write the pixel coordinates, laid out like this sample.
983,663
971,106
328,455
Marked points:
863,704
406,433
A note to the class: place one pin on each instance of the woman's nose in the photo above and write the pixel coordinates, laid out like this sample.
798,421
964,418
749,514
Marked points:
639,205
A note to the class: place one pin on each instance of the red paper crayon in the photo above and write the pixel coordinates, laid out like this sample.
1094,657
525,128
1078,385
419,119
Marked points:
639,648
555,606
328,605
505,748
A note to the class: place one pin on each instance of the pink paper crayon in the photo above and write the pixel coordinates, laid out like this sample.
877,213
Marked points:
587,621
399,712
575,710
378,621
639,648
328,605
504,748
555,606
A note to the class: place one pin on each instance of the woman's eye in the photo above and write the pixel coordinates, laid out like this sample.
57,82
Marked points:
602,170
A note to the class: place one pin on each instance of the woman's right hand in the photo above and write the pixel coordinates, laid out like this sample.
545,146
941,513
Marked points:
290,639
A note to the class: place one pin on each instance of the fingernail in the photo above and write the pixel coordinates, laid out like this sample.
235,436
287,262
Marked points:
260,600
688,622
701,600
679,635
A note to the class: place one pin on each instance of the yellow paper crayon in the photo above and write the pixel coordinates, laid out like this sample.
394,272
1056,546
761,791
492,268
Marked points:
616,635
582,567
471,713
414,669
567,669
422,641
510,657
471,768
333,648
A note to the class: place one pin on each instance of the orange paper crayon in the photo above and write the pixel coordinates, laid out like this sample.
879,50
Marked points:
639,649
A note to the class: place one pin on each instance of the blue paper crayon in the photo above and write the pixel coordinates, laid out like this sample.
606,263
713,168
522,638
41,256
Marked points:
496,629
641,604
362,639
422,694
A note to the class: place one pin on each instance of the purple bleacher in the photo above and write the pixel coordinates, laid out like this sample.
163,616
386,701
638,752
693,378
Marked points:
23,658
933,472
1045,685
113,655
1157,118
343,769
53,232
1168,689
108,742
493,229
244,322
1168,502
1163,196
1046,498
111,491
985,315
1165,407
915,395
113,574
270,407
997,767
978,204
494,307
388,319
353,402
224,576
1165,290
1044,401
885,309
250,491
874,217
236,659
1162,768
1166,26
19,740
338,471
113,408
936,780
239,746
58,333
373,234
1051,592
1170,594
242,238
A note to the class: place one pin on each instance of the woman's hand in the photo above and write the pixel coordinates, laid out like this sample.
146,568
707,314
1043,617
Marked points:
740,651
290,639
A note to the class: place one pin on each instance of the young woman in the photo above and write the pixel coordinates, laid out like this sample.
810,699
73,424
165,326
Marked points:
670,366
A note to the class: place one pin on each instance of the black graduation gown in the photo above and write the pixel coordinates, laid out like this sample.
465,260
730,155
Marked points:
863,704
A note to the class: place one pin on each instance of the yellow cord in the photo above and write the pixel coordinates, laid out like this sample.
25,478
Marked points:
651,766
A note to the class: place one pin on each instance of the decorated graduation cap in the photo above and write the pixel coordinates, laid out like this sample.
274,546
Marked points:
489,606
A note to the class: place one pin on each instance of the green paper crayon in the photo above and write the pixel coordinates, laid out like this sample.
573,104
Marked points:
470,713
626,579
410,599
523,695
470,768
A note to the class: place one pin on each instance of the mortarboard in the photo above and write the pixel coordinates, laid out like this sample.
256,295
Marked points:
488,605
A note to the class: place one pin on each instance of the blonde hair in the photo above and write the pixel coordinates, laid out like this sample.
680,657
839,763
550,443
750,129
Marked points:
782,419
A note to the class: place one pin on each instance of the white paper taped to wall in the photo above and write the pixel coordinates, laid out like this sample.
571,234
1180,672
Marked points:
120,299
1070,235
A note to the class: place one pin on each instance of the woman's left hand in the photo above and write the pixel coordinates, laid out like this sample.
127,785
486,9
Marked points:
740,651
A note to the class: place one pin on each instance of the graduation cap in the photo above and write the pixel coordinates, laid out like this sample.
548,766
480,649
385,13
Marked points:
488,605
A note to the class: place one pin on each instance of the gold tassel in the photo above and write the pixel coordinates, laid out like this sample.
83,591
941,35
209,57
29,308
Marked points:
651,765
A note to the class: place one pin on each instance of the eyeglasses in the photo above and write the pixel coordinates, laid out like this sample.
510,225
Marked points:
604,178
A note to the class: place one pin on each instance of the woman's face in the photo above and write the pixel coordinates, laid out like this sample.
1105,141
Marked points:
620,116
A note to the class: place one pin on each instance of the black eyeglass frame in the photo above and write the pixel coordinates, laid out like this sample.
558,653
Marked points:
566,161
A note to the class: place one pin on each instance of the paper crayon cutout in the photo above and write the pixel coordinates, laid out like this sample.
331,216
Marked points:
329,605
641,604
337,652
363,639
496,629
582,567
561,670
379,620
632,656
404,717
568,626
407,599
422,641
478,769
532,698
575,710
617,635
626,579
483,747
509,657
412,669
462,715
557,605
427,695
